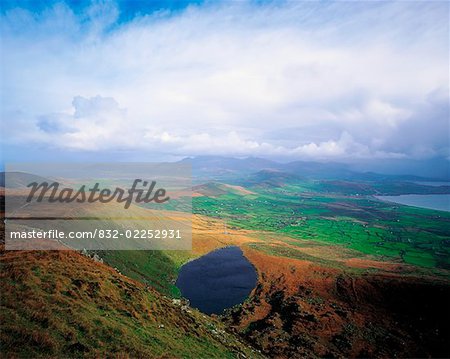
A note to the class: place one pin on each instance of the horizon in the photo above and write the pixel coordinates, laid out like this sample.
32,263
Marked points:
388,170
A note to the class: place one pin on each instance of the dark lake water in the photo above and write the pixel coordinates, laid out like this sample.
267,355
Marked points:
217,280
440,202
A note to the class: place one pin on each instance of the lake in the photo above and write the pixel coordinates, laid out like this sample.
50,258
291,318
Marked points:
217,280
439,202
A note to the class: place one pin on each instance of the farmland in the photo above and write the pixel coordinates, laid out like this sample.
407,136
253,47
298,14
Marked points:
410,235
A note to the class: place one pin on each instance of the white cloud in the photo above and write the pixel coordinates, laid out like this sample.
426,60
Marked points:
339,80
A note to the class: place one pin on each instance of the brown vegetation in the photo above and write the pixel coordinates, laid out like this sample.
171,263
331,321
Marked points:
300,309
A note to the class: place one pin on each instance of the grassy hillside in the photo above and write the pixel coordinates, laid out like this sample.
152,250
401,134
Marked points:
155,268
62,304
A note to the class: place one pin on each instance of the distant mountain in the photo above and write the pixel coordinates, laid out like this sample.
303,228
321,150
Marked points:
319,170
232,169
214,167
270,178
438,168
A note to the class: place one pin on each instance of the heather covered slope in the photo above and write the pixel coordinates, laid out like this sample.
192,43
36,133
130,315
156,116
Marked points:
62,304
304,307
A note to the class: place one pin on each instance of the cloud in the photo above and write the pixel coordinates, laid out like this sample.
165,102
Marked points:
99,124
290,80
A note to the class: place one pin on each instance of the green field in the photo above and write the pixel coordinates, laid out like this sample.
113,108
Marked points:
308,211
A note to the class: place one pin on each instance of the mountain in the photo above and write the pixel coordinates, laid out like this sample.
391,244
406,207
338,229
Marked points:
230,169
215,167
318,170
270,178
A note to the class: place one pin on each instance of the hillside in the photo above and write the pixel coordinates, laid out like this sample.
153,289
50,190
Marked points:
270,178
309,307
63,304
215,189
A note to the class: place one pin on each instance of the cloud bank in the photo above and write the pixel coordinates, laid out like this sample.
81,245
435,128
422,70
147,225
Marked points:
291,80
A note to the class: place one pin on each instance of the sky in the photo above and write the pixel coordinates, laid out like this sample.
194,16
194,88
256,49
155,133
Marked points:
135,80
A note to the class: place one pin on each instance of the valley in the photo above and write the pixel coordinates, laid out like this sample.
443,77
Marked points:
338,275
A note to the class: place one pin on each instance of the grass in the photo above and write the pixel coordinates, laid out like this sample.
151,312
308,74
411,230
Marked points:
62,304
156,268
